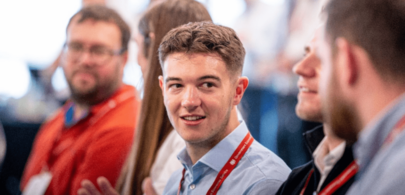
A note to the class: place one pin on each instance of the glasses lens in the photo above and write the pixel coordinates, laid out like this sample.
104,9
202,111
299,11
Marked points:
98,54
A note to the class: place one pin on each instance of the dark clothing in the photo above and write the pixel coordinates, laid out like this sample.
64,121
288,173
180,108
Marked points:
297,178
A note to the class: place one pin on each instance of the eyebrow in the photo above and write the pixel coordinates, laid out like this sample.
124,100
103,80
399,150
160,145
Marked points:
172,79
168,79
209,77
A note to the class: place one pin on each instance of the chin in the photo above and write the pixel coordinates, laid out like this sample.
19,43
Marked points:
309,115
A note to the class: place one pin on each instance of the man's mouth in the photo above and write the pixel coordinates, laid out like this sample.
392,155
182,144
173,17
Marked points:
307,90
193,118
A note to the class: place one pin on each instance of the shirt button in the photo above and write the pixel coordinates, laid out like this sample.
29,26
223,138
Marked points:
192,186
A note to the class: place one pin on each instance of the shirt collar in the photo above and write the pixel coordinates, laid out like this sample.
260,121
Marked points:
220,153
70,120
325,158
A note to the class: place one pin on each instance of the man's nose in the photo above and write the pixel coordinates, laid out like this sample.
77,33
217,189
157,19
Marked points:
191,99
86,59
304,67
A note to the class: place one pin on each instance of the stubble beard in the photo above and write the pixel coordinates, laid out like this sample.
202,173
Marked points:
97,93
341,114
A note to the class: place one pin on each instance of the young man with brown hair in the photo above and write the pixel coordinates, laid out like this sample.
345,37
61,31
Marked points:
201,86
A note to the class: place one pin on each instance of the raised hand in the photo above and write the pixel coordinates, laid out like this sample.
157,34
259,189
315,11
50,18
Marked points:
88,188
147,187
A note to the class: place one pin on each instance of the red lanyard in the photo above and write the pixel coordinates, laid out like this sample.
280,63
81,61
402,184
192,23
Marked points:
398,128
348,173
228,167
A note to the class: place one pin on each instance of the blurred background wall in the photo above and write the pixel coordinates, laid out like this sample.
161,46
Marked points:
32,86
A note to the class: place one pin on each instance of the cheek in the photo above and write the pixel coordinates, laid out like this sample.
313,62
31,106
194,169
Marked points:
324,80
171,102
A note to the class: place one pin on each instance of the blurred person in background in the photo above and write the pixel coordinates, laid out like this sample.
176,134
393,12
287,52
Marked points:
301,25
332,157
274,33
156,144
362,88
80,140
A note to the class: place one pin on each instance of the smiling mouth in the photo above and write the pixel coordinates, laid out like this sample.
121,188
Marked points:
193,118
304,89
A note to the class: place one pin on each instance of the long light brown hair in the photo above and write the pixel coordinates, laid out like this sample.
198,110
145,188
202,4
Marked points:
154,125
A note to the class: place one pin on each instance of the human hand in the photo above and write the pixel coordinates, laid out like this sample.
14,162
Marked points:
147,187
89,189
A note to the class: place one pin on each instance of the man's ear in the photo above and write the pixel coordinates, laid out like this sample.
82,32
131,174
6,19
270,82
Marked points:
241,85
161,82
347,61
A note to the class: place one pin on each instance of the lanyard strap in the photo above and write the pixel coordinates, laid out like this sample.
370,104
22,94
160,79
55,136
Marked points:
338,182
398,128
306,182
228,167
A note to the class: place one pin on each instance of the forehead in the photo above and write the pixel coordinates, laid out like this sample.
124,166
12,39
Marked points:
94,32
194,65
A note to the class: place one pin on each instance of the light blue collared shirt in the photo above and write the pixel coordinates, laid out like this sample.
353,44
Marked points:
381,171
259,171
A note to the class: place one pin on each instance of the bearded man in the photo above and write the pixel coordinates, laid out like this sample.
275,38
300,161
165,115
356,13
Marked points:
93,132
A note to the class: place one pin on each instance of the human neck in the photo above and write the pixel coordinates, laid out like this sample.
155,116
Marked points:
332,141
197,150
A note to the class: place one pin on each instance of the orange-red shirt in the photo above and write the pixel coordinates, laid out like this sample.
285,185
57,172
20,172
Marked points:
95,146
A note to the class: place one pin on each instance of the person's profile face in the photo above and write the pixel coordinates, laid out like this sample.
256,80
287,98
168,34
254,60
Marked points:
198,94
309,69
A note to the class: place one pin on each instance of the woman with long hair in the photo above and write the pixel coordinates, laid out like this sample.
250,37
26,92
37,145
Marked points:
156,143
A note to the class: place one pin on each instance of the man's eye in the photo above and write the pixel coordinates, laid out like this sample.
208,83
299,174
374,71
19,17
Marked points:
75,47
175,86
99,50
207,85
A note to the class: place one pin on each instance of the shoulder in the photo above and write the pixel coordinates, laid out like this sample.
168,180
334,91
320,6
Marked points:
117,114
267,163
386,164
259,172
296,179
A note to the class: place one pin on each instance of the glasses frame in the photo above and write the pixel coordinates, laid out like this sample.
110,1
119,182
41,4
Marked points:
99,59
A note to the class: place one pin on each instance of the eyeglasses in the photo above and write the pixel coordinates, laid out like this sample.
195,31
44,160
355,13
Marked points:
99,54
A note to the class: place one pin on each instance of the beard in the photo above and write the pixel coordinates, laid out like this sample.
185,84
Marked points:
102,89
341,113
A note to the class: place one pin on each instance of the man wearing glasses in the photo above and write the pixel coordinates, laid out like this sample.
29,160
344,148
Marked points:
92,133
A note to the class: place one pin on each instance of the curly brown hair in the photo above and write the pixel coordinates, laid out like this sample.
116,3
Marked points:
205,37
